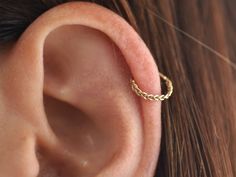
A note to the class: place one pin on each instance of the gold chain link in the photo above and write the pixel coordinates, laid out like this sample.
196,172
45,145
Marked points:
152,97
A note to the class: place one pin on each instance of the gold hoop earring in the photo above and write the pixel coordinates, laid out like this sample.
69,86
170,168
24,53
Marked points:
153,97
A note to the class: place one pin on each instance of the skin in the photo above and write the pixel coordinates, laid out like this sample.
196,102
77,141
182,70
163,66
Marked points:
67,108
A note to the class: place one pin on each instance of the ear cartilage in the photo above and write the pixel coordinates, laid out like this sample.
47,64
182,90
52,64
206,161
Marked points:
153,97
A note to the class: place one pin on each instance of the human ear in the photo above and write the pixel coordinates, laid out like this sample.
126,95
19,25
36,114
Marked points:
66,84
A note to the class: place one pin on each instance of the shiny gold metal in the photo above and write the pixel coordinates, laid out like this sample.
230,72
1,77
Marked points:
153,97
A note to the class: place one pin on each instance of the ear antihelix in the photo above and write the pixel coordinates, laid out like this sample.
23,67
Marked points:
81,102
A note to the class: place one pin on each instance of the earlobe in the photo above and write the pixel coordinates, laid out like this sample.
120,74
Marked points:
80,64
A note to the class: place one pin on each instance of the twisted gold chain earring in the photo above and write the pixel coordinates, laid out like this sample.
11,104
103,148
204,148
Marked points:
153,97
